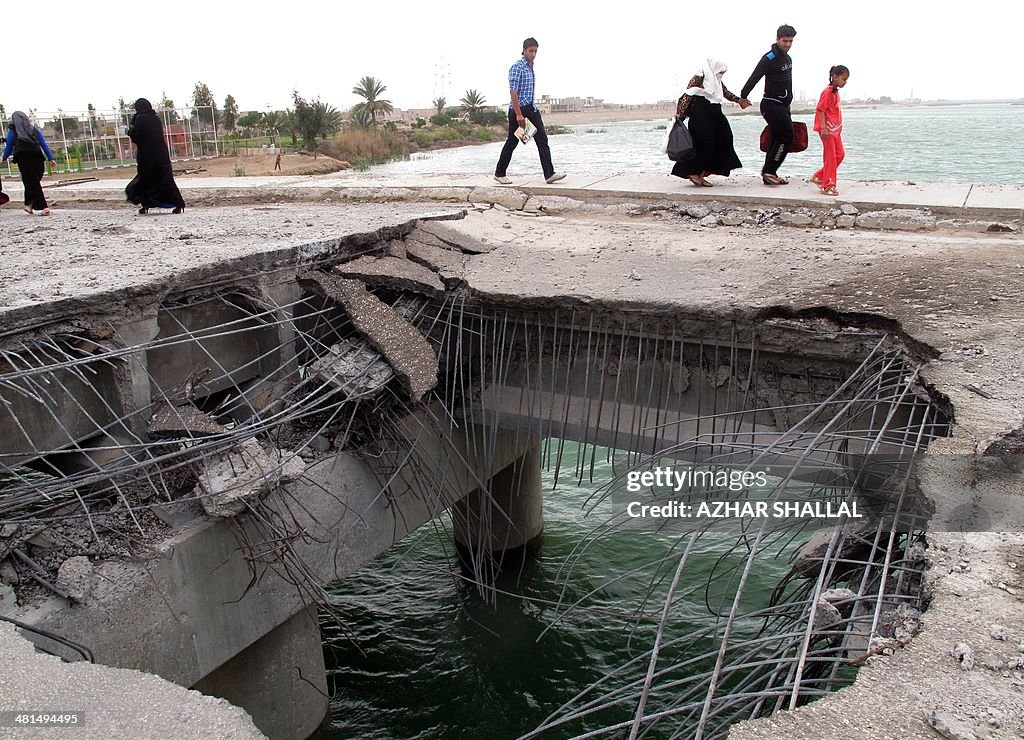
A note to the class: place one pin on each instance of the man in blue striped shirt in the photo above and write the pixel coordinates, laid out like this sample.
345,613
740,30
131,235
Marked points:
523,107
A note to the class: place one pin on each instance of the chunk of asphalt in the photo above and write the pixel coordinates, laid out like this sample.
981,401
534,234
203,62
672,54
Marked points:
452,238
170,422
445,262
392,272
401,344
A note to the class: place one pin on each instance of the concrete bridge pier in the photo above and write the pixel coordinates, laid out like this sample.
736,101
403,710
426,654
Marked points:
280,679
501,526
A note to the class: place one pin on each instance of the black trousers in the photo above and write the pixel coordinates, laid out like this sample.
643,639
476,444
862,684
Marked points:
780,124
541,137
32,166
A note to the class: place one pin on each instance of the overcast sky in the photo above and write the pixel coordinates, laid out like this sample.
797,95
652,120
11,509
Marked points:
629,52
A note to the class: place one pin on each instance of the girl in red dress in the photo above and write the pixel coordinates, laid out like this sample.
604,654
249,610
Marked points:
828,122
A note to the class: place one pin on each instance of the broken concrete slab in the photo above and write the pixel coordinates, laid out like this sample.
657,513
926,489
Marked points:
453,238
354,368
8,600
76,576
392,272
401,344
897,219
795,219
242,474
552,204
446,194
185,420
512,199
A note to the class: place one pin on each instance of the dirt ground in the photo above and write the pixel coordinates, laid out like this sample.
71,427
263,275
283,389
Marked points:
253,165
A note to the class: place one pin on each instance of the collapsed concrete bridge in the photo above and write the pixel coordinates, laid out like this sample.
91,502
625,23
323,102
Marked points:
269,429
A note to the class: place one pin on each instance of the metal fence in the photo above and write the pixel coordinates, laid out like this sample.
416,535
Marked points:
86,140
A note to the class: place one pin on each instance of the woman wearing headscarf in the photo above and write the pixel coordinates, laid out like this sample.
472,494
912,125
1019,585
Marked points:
712,136
27,147
153,186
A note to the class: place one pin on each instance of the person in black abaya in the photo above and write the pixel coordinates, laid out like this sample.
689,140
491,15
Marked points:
153,186
29,150
712,136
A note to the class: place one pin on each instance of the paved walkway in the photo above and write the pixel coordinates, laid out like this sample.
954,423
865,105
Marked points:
950,199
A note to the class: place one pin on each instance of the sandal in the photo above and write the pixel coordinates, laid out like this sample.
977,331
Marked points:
770,179
45,211
143,211
697,180
815,181
829,191
27,209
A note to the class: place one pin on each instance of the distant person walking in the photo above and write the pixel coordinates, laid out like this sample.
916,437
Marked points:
153,186
777,69
713,151
27,147
521,84
828,122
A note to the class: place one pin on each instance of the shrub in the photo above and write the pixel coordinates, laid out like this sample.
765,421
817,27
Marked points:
489,118
419,123
356,144
422,139
441,119
483,134
239,170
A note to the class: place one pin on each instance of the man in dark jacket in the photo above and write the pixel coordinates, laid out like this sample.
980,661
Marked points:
777,69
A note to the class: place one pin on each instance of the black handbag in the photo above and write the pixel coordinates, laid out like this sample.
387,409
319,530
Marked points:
680,143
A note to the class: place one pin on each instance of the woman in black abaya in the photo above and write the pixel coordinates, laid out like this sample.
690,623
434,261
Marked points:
712,136
153,186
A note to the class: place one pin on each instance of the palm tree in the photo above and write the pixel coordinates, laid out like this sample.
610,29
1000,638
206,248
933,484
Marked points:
439,104
472,102
370,89
329,117
361,117
274,121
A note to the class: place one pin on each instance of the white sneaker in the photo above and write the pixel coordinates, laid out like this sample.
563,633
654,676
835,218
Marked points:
555,177
503,180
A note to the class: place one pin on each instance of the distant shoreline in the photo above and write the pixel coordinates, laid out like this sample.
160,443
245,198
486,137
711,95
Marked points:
664,112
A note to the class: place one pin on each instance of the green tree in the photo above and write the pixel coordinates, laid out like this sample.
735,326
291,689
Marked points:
472,101
290,125
439,104
168,112
230,113
122,108
202,100
309,119
371,89
330,118
70,127
250,119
